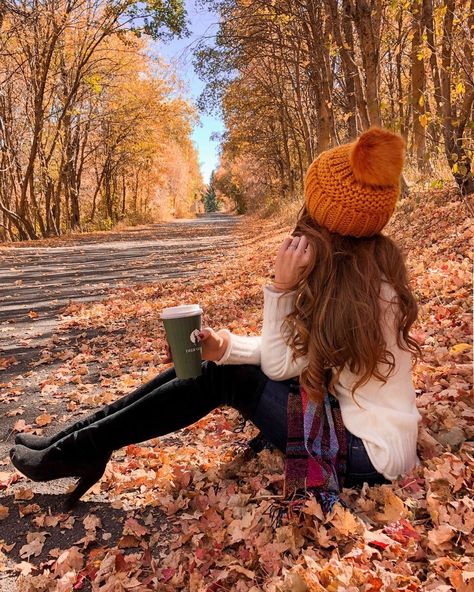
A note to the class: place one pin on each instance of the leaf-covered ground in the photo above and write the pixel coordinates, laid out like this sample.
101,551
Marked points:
194,511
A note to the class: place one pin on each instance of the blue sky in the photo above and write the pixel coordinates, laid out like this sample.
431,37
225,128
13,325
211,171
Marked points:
180,52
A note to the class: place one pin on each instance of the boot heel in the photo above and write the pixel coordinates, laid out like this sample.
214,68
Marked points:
83,484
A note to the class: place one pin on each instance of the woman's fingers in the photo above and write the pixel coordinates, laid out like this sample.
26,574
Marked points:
305,248
289,244
302,252
295,241
297,245
302,244
166,359
204,333
286,243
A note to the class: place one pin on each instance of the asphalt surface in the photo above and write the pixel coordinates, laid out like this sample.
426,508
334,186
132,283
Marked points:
36,282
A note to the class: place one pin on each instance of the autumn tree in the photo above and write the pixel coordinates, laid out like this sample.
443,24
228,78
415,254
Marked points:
211,203
84,113
294,78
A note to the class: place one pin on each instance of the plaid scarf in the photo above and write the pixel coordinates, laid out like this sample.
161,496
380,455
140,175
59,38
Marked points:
316,448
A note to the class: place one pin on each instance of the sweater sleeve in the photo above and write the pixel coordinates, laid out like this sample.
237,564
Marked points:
241,349
276,356
268,350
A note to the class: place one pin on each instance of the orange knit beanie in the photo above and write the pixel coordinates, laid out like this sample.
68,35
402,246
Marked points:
353,189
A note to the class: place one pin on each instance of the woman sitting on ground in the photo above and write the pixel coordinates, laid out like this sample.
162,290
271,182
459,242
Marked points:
329,381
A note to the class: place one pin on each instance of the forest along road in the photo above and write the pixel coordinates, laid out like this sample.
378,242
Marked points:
36,282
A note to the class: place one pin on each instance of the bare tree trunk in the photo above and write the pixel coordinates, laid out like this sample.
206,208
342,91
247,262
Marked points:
455,123
367,19
320,74
351,73
417,89
124,194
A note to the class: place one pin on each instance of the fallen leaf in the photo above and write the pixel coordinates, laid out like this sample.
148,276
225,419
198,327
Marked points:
43,420
4,511
393,509
70,560
344,521
24,567
13,412
438,538
133,527
21,425
128,542
6,362
92,522
29,509
34,546
7,479
23,493
460,348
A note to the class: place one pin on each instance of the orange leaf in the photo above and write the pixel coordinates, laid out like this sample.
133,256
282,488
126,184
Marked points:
43,420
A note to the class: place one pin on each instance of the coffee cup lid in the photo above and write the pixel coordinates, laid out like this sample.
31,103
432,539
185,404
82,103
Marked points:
184,310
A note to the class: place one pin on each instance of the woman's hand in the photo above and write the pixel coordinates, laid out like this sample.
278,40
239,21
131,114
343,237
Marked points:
293,258
213,344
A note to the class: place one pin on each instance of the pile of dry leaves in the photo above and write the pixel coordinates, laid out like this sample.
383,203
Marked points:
224,526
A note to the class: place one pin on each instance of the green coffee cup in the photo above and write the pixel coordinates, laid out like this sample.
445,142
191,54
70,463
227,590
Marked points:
182,323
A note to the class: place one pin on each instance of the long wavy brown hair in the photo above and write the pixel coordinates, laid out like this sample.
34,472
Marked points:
336,320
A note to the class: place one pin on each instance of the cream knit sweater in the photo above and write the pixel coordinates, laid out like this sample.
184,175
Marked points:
386,418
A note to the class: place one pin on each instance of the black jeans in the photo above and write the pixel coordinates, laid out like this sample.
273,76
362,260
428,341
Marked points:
167,403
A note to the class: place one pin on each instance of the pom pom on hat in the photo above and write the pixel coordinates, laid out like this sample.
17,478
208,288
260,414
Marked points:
352,189
377,157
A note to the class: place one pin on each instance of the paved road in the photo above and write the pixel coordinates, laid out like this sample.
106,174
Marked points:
45,279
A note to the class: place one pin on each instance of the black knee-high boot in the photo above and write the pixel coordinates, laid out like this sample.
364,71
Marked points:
175,404
41,442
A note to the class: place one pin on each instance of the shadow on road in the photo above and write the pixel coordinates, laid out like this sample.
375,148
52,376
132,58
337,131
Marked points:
56,529
37,281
